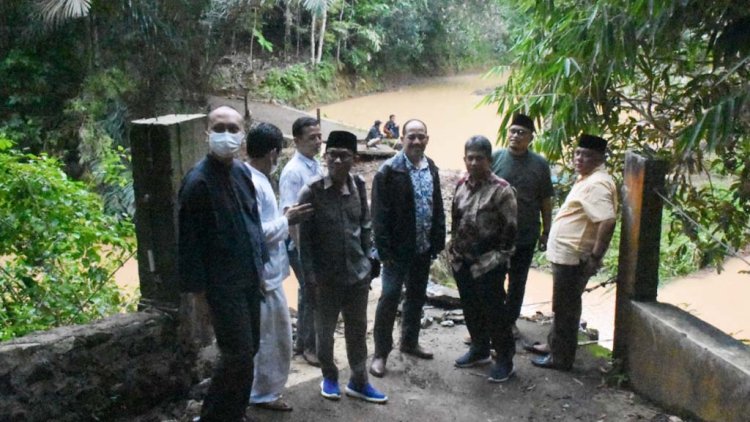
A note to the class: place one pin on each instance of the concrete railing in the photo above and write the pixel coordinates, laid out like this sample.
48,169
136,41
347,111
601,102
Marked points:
671,357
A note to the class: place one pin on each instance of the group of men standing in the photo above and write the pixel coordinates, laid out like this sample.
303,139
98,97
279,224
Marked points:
236,247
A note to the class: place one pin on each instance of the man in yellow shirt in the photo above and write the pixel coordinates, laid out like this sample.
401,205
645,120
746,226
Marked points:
580,235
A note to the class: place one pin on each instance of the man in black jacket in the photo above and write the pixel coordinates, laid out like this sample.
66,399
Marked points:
409,226
221,257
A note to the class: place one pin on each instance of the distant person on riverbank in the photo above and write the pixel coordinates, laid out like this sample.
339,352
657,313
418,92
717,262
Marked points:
272,362
374,136
300,169
580,235
221,254
335,244
391,128
529,174
483,234
409,226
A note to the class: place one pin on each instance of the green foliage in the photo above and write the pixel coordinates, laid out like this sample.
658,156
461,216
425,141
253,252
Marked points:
59,248
668,79
298,84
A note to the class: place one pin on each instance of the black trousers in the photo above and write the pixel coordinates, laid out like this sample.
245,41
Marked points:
235,314
487,315
568,285
351,303
517,276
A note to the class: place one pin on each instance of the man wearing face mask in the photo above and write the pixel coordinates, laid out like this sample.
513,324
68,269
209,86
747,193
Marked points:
221,258
273,359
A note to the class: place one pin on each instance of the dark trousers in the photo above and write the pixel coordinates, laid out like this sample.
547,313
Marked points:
305,308
351,302
487,315
235,314
517,276
568,285
414,276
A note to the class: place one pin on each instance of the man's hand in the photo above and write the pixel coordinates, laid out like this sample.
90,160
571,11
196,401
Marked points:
543,241
298,213
591,266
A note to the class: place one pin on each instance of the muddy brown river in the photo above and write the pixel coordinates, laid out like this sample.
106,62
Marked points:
449,107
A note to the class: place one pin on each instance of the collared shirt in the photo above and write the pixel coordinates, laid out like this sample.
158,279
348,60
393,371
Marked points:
220,234
334,243
483,230
296,173
529,174
421,182
592,200
275,230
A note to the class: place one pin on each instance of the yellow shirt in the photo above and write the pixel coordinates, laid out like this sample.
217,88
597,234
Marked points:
593,199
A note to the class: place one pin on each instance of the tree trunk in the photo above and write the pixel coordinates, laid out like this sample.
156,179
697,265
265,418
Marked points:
322,34
338,42
297,27
312,38
287,28
252,36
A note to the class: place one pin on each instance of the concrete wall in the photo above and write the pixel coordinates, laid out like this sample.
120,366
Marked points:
686,365
119,366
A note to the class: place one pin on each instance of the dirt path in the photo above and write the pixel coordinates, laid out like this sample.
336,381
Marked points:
436,391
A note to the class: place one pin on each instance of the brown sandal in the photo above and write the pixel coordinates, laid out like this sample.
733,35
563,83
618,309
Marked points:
278,405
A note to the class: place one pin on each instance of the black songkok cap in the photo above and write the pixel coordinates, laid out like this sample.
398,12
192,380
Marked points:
523,120
593,142
342,139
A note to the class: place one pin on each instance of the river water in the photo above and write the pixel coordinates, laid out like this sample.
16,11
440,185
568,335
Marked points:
449,108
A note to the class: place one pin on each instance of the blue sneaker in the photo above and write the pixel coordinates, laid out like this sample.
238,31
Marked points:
501,371
366,393
330,389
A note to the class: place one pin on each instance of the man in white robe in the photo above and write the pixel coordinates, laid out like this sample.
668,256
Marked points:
272,362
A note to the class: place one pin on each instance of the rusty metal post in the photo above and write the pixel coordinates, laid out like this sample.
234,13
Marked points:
640,234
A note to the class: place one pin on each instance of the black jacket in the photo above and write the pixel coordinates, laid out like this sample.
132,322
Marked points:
220,236
393,212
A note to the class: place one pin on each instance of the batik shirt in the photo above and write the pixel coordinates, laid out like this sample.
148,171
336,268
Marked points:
421,182
483,231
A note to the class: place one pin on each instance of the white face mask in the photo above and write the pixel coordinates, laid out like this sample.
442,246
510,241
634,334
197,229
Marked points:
225,144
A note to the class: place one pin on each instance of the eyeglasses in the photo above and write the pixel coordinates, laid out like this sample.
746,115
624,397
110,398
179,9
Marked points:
413,136
223,127
341,155
519,132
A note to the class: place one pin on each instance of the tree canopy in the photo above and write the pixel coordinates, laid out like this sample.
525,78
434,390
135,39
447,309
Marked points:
666,78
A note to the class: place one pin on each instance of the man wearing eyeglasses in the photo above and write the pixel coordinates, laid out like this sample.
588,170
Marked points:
529,174
221,254
334,245
409,227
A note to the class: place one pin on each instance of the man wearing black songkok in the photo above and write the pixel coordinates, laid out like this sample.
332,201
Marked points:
529,173
580,235
334,245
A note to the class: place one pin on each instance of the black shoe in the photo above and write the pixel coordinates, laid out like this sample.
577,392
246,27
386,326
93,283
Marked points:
417,351
470,359
501,371
548,362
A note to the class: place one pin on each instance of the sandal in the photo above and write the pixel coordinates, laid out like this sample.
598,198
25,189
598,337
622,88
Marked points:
537,348
278,404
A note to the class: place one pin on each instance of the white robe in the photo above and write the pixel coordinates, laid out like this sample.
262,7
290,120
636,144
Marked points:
273,360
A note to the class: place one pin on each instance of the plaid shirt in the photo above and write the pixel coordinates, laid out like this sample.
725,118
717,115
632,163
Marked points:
483,231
